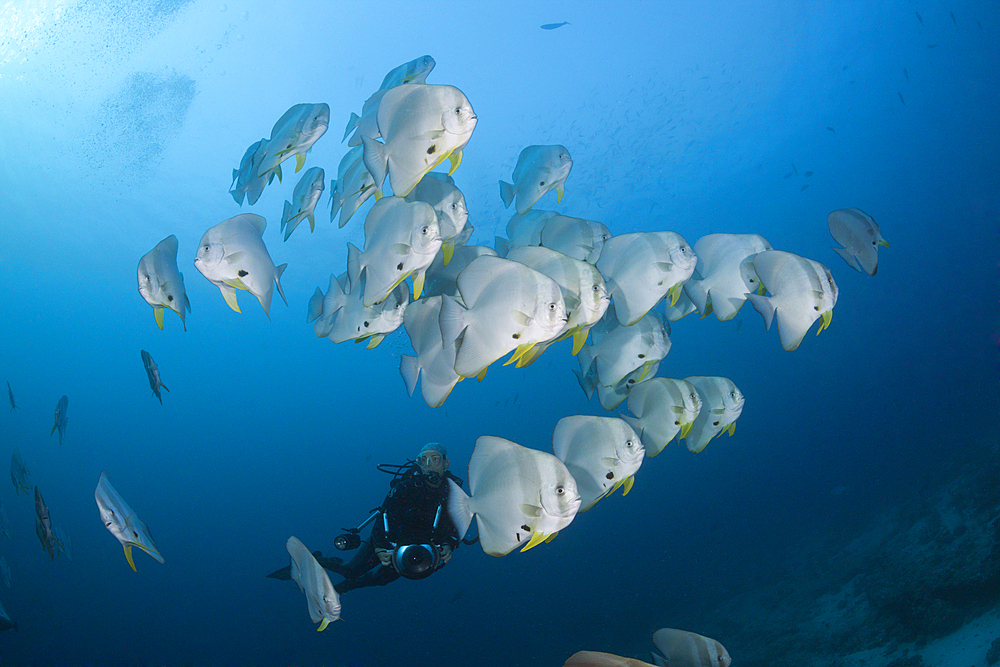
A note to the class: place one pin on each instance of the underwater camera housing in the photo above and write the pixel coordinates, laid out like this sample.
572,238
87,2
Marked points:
351,538
415,561
347,541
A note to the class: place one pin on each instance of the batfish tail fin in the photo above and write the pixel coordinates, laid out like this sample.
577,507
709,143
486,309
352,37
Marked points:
458,508
410,370
278,270
315,308
506,193
764,306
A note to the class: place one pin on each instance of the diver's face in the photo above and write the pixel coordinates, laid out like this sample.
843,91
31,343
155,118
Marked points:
431,461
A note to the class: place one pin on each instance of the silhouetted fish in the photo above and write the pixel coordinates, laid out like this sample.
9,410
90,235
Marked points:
953,19
802,189
553,26
920,18
931,46
906,74
831,129
901,98
808,174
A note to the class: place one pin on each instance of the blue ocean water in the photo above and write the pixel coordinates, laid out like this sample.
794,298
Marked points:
121,124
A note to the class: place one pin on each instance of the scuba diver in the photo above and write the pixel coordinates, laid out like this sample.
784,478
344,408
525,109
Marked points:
412,533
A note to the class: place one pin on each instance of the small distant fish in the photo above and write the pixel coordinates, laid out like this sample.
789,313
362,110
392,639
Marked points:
808,174
953,19
920,18
10,394
831,129
901,98
5,622
19,473
60,418
906,74
43,525
153,373
788,175
803,188
553,26
931,46
794,169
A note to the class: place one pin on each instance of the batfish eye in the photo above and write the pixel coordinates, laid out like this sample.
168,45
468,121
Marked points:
629,444
560,491
423,230
733,394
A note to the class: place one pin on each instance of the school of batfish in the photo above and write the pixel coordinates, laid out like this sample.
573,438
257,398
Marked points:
555,277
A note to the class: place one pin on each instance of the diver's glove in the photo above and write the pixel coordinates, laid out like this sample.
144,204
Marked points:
384,556
444,551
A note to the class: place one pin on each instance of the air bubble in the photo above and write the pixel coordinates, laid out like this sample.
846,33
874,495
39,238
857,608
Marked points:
245,16
222,8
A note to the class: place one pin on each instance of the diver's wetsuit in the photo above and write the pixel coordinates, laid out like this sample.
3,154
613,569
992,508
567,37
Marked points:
409,509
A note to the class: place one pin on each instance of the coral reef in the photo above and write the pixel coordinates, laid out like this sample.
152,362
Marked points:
919,571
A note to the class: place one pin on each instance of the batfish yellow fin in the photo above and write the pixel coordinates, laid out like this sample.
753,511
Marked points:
629,481
675,293
519,352
447,250
884,242
128,556
375,340
686,430
551,537
300,159
418,285
579,339
536,539
645,370
456,159
322,625
482,374
158,316
731,429
559,192
230,297
827,317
